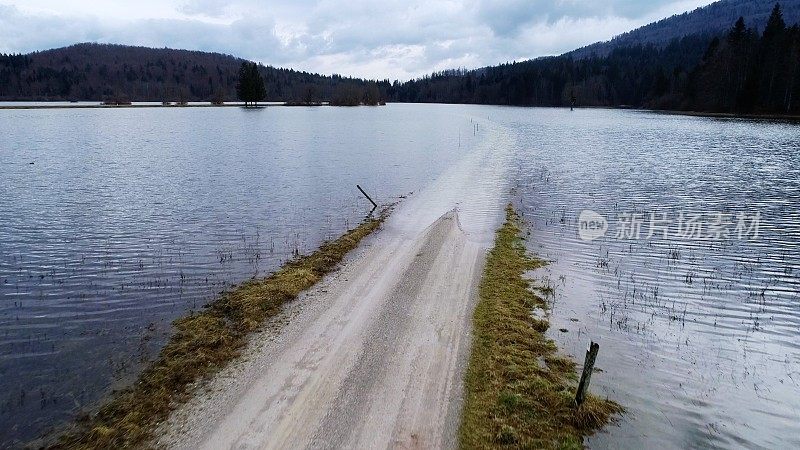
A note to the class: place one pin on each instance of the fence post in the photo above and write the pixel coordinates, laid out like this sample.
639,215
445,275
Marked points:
368,198
586,376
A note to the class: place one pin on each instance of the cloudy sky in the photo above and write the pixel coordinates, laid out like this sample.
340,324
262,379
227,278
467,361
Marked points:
396,39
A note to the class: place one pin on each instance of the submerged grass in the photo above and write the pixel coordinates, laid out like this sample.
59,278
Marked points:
202,344
519,391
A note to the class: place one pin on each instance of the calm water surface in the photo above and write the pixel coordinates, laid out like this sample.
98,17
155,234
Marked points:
115,222
128,218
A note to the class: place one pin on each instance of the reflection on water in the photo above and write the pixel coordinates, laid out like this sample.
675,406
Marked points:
700,339
114,222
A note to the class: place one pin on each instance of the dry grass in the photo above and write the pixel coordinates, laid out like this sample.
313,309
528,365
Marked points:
519,391
202,344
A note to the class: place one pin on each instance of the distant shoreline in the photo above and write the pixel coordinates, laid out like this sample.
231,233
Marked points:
767,116
99,105
155,105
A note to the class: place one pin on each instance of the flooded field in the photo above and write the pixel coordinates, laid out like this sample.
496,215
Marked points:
115,222
694,290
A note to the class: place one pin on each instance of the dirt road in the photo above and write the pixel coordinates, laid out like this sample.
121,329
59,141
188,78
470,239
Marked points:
373,356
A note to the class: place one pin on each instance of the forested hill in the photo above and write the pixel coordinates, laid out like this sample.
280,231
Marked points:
738,71
102,72
711,19
749,66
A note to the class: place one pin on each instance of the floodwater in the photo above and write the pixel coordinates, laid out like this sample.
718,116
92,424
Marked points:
698,326
129,218
113,222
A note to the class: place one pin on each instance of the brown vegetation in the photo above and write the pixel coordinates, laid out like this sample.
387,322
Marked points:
202,344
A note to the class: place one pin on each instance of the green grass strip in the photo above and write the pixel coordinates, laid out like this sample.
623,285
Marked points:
519,391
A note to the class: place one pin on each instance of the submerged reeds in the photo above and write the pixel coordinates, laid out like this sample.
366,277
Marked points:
202,344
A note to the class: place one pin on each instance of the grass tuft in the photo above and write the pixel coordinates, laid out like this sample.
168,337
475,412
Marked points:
519,391
202,344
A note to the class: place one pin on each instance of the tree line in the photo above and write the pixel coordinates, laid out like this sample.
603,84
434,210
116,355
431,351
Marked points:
99,72
250,89
740,71
713,18
746,72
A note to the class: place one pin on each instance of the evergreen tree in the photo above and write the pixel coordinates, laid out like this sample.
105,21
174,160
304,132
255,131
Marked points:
244,86
740,53
775,25
737,34
793,84
772,70
250,87
259,91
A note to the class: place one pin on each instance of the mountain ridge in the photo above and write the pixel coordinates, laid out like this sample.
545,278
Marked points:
711,19
93,71
654,66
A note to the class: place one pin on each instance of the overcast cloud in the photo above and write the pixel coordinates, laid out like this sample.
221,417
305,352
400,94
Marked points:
395,39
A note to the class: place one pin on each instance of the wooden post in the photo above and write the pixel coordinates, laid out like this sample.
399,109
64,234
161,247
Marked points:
375,205
586,376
